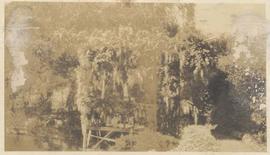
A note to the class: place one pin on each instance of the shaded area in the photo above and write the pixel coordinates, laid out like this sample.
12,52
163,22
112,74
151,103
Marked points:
199,138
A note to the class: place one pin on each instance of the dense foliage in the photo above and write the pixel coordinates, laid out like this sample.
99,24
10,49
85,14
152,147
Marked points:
245,67
186,73
109,71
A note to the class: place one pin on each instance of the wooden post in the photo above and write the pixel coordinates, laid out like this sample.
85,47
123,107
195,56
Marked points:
125,90
103,86
84,139
88,138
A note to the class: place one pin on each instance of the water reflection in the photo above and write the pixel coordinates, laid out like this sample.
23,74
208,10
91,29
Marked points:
21,143
15,142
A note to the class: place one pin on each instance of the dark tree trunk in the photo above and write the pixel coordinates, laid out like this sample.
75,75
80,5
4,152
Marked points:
169,97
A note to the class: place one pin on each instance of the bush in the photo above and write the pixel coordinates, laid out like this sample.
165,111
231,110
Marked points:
247,89
145,141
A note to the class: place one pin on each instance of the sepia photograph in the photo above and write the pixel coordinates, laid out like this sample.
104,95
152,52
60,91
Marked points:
133,76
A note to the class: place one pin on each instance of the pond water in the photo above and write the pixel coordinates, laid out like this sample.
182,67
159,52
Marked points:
21,143
15,142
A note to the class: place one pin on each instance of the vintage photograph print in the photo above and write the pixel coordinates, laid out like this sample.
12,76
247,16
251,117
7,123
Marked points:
126,76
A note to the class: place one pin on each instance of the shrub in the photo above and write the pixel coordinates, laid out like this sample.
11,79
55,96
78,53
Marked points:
145,141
